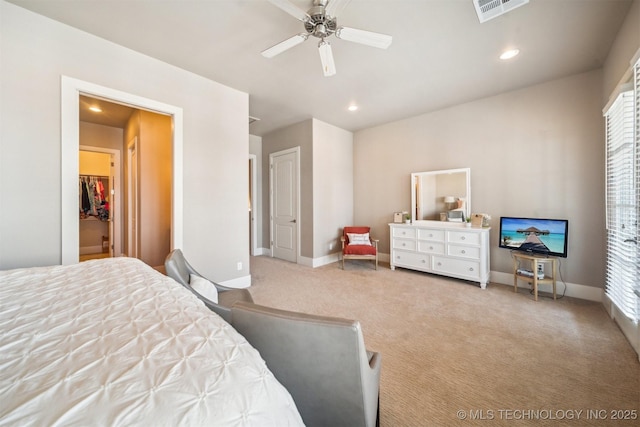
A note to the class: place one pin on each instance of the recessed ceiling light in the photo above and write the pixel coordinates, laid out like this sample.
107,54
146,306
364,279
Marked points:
353,108
508,54
96,109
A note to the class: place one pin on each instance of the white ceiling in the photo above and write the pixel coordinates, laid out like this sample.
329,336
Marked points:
440,56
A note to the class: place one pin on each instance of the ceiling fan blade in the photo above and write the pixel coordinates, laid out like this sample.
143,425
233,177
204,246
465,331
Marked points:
284,45
381,41
334,7
326,58
291,9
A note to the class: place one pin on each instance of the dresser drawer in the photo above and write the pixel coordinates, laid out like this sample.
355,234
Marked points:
471,252
407,233
466,237
411,259
431,247
431,235
457,267
408,245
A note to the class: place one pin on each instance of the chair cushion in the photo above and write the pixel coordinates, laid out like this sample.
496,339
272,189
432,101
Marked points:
356,229
359,250
204,287
359,239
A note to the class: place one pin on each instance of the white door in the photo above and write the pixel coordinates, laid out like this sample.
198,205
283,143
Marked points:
284,204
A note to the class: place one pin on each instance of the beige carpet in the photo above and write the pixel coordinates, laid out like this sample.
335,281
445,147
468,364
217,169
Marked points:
447,346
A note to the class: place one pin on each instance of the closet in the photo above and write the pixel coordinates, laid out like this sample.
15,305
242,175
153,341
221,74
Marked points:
95,206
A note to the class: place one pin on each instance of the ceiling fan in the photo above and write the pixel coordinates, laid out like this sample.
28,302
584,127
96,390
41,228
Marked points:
320,22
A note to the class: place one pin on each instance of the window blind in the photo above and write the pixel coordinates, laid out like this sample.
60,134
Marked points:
622,186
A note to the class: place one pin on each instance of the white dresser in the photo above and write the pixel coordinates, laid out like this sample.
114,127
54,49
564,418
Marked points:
445,248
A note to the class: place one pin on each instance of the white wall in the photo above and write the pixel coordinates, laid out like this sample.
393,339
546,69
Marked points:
533,152
36,52
625,45
332,187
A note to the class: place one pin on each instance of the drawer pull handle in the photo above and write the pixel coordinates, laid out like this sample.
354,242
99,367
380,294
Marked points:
463,251
439,264
424,261
470,268
462,238
431,247
404,244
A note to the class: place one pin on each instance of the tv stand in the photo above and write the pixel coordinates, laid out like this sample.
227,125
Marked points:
536,262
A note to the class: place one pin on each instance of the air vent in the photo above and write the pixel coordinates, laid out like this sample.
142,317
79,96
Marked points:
489,9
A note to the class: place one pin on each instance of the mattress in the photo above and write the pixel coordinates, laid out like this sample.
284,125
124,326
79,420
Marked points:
113,342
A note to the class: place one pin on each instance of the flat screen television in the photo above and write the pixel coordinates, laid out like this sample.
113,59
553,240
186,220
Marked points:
535,235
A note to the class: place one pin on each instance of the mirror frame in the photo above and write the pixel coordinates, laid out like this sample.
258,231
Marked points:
417,175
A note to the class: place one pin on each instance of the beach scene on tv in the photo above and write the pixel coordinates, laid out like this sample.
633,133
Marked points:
540,236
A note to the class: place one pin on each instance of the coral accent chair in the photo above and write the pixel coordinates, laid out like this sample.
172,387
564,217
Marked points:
358,244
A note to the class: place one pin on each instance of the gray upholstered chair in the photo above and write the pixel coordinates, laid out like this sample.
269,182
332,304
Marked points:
179,269
322,361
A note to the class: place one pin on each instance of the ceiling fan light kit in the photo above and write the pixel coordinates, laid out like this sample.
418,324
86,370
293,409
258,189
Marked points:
320,23
326,58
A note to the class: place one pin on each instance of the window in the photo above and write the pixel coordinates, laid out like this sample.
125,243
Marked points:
623,193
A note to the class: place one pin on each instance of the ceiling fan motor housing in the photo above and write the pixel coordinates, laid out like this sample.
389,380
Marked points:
319,23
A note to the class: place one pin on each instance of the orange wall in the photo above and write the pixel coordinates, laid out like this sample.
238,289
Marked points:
154,134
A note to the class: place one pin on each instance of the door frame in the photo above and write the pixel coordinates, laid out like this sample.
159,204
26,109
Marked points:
71,89
133,199
296,151
253,225
115,197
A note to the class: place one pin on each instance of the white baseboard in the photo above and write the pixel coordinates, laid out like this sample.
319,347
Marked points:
331,258
238,283
262,251
573,290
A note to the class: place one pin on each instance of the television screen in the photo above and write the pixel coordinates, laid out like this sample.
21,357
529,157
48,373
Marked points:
535,235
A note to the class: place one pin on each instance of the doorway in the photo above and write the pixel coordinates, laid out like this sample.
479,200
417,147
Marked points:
71,91
284,185
106,223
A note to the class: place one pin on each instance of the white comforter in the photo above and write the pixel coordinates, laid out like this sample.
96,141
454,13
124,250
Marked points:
115,343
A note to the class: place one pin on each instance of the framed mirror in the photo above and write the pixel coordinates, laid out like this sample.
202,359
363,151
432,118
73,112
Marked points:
443,195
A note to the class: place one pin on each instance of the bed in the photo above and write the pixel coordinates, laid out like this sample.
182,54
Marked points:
113,342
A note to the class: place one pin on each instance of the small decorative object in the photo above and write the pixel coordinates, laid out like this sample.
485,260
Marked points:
398,217
476,220
485,220
468,222
407,218
480,220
